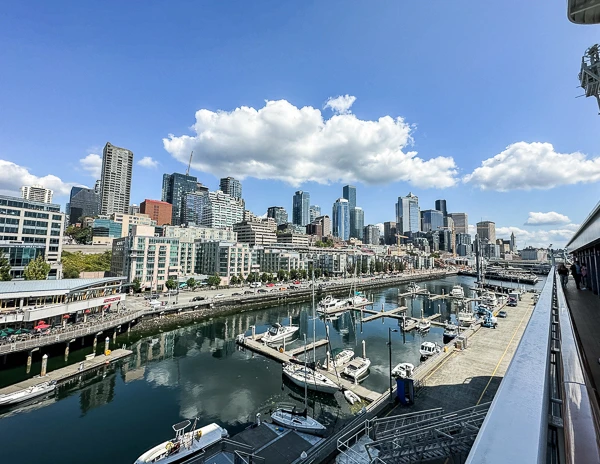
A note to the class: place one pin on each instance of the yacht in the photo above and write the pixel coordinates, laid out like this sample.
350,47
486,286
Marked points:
489,299
27,393
450,332
466,318
330,303
277,333
358,299
288,417
457,292
305,376
413,287
342,358
185,445
403,370
429,349
357,368
423,324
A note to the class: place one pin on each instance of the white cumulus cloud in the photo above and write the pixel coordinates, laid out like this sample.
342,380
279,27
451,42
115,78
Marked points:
92,164
13,176
539,237
341,104
550,218
526,166
295,145
148,162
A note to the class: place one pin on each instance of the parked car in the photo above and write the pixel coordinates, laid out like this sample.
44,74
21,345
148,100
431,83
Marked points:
236,294
502,314
255,284
512,302
198,298
248,292
263,290
270,285
219,295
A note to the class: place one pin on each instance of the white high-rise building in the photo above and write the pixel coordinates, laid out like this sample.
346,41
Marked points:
408,217
115,184
36,193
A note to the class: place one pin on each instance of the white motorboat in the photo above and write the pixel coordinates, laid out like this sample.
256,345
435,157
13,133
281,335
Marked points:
27,393
357,368
329,302
342,358
413,287
403,370
423,324
288,417
466,318
351,397
185,444
302,375
277,333
358,299
489,299
450,332
429,349
457,292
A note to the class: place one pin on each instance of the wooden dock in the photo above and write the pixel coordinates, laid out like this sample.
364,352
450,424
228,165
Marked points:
342,309
422,292
391,313
310,346
411,322
64,373
361,391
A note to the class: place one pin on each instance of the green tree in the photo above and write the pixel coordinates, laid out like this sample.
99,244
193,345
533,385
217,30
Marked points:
233,280
191,283
70,273
318,273
171,284
264,277
303,274
4,268
378,266
364,267
214,281
82,235
37,269
136,285
293,274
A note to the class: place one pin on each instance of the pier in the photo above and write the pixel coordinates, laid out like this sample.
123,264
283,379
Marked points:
412,322
377,314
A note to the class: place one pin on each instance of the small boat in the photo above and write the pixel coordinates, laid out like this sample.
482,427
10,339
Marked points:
351,397
288,417
185,444
357,368
359,298
329,302
429,349
27,393
342,358
424,324
457,292
450,332
489,299
413,287
277,333
302,375
403,370
466,318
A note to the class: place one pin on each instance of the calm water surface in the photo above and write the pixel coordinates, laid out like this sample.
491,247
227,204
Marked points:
197,371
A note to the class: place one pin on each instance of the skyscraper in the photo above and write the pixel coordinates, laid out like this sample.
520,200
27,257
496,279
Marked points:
357,222
349,193
278,213
371,235
175,187
440,205
432,220
461,222
301,208
389,232
314,212
115,183
36,193
407,214
513,242
83,202
231,187
341,219
487,230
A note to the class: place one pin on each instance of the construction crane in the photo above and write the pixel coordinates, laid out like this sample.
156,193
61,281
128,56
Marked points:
187,172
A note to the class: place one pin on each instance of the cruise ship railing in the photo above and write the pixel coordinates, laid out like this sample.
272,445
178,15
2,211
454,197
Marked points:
542,412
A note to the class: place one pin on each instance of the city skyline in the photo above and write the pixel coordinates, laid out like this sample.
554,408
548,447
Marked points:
419,142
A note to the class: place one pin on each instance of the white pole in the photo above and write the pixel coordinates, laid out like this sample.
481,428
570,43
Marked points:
364,347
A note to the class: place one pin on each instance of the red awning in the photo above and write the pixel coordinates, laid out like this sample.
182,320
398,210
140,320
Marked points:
42,326
87,311
66,316
106,306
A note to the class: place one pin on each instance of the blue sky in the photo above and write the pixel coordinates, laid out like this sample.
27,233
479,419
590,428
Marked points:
470,81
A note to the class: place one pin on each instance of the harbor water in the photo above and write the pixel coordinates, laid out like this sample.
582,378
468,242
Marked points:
117,413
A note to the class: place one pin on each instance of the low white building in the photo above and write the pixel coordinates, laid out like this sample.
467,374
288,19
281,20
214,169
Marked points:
226,259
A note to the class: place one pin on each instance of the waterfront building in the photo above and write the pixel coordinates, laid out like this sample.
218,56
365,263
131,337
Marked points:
389,233
407,214
107,228
371,235
464,249
357,222
293,239
432,219
223,258
314,212
301,208
30,301
325,223
341,219
36,193
331,264
256,232
461,222
115,182
349,193
83,202
20,254
127,221
487,230
278,213
534,254
440,205
272,260
212,209
174,189
231,187
144,256
159,211
32,222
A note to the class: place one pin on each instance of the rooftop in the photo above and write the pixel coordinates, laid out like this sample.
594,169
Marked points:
28,286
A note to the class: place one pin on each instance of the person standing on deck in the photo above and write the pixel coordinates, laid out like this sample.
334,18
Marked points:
576,271
583,277
563,272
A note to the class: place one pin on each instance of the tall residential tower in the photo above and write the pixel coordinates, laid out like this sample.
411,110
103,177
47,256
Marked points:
115,183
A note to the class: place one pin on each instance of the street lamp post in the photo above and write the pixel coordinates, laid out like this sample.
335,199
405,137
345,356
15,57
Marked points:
390,330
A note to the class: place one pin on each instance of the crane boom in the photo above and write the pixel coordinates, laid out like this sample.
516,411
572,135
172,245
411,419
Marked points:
187,173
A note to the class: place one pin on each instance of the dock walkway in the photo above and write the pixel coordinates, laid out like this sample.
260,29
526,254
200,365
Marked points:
64,373
391,313
412,322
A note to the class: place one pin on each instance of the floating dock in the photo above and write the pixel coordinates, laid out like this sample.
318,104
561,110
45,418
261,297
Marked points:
392,313
412,322
342,309
64,373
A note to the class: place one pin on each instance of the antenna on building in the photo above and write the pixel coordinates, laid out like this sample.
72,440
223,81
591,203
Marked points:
187,172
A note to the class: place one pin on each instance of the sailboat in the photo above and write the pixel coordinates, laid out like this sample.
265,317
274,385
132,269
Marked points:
423,324
300,421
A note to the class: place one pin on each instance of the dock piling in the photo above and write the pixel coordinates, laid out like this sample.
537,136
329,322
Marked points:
106,344
253,332
364,347
29,358
44,365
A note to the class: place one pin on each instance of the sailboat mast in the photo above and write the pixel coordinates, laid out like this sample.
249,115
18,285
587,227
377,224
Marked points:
314,316
305,381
